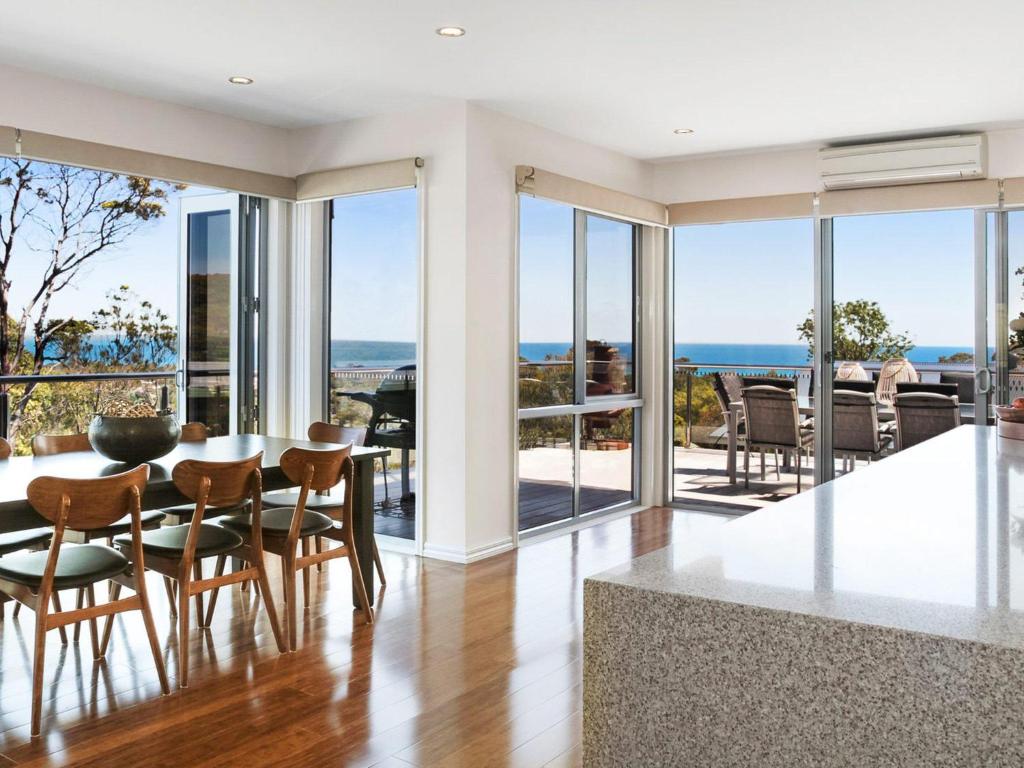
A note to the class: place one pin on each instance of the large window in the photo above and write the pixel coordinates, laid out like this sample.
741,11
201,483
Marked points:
577,422
93,282
374,310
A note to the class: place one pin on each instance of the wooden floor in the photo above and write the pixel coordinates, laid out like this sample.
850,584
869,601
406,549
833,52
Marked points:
466,666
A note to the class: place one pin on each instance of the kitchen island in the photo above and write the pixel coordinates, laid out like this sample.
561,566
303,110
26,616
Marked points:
875,620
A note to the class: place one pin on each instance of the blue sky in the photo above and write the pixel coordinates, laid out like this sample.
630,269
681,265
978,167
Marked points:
752,282
374,254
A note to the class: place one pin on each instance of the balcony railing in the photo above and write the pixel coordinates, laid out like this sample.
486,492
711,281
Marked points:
65,402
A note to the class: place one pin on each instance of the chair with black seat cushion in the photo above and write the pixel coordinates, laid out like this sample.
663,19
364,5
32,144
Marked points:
964,381
773,423
32,577
322,432
283,529
31,538
177,551
854,385
51,445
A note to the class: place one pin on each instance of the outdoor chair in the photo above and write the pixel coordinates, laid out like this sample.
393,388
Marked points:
905,387
855,432
964,381
773,423
921,416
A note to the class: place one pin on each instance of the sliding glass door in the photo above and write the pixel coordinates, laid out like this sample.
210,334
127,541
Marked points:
578,423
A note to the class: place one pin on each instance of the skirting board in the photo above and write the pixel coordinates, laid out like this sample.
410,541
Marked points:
455,555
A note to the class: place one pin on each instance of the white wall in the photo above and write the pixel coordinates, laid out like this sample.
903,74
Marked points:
49,105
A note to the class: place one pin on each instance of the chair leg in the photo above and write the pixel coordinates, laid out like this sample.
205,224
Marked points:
218,571
290,599
319,550
90,594
746,465
378,564
268,600
16,611
154,643
197,574
171,599
37,667
762,464
184,580
79,602
778,472
799,474
108,625
305,573
56,607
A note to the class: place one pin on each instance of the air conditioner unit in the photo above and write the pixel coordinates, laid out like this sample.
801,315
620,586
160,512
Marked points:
918,161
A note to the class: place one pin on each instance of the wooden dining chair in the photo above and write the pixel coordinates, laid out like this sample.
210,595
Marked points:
322,432
51,445
15,541
177,551
32,577
282,529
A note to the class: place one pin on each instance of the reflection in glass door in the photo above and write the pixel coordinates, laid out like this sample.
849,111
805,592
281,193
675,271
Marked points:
207,370
577,423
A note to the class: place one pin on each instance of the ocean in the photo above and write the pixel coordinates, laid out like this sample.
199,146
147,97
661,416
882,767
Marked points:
759,355
392,354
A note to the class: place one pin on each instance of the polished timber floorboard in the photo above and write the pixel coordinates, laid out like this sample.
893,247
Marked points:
475,665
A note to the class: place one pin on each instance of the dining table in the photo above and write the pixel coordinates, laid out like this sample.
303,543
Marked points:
17,472
805,404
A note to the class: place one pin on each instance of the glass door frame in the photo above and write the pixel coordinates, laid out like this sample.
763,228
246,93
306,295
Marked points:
987,388
584,404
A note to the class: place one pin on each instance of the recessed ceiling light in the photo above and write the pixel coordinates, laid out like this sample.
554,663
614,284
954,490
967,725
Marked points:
451,31
683,131
240,80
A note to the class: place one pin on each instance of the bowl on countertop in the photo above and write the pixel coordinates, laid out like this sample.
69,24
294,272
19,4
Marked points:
1006,413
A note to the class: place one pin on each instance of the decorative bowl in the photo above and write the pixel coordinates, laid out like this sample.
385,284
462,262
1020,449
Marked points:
134,440
1006,413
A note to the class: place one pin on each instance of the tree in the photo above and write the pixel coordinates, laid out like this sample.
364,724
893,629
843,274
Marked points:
62,218
133,333
860,331
957,357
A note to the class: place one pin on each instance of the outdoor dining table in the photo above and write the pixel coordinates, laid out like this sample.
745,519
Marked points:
17,472
805,404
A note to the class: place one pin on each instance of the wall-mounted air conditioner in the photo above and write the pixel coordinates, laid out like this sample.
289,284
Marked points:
917,161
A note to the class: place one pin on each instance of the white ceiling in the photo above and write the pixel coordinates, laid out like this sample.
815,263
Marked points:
617,73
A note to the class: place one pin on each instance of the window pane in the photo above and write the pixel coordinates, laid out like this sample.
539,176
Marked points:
610,304
545,471
740,294
374,306
606,459
208,362
545,303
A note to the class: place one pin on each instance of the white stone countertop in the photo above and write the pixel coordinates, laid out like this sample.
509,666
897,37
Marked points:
928,540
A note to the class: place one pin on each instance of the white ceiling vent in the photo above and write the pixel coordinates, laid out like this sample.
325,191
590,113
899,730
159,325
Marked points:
918,161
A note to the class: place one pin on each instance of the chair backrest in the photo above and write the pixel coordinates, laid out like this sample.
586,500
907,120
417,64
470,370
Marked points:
921,416
49,445
93,503
768,381
853,385
903,387
964,381
772,415
855,421
5,449
721,393
231,482
327,466
194,431
893,371
322,432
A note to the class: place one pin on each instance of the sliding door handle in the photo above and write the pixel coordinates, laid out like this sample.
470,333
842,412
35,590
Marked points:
983,374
